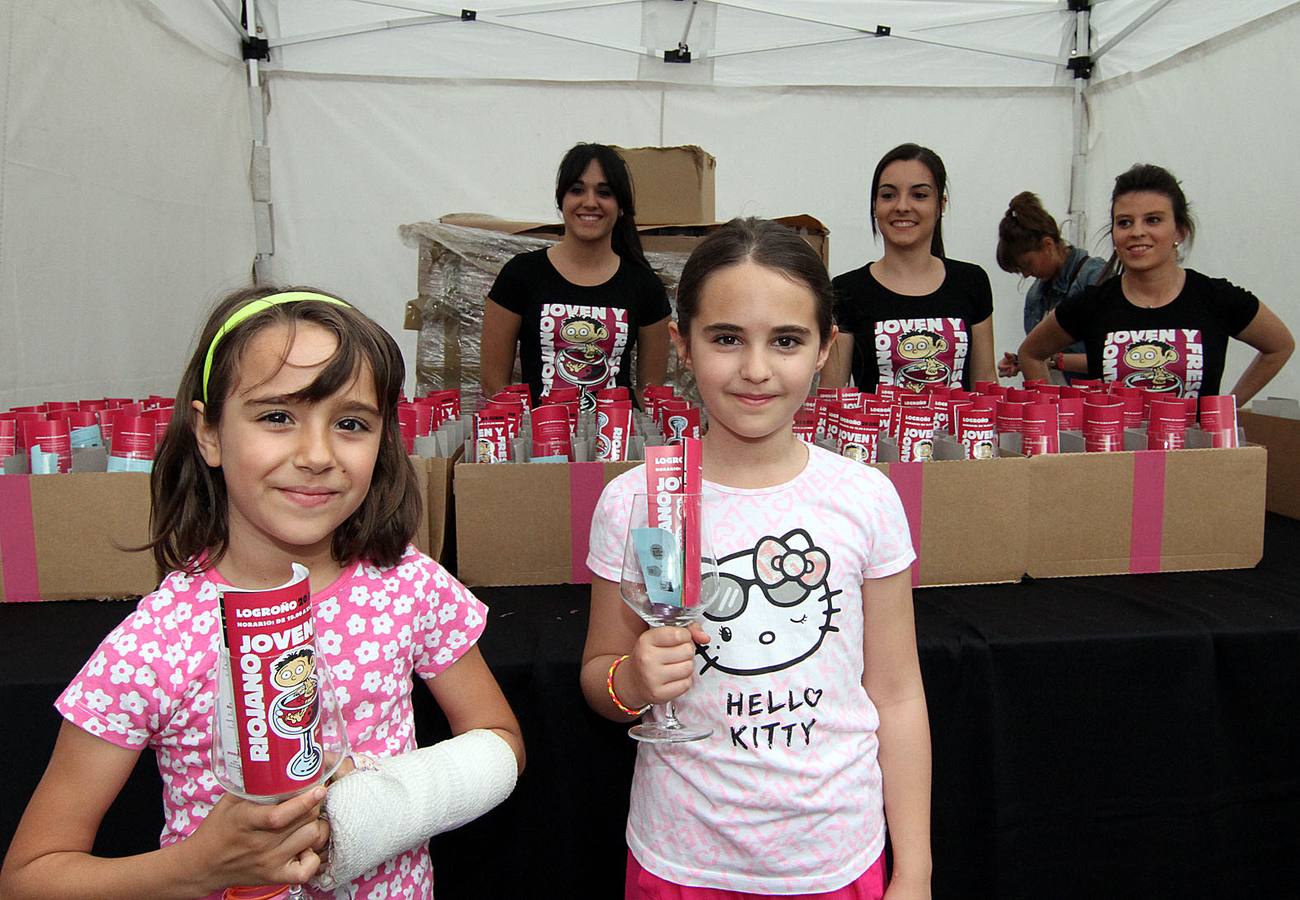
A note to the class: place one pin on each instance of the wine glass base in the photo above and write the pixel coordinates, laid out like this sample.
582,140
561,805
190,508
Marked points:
664,733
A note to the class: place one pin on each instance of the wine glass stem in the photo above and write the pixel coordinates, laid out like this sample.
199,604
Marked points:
670,718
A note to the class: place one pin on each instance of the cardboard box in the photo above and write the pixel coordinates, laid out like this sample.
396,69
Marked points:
972,522
1279,431
527,523
62,537
1144,511
672,185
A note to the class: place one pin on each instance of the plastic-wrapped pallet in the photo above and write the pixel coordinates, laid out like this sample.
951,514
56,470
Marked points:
457,266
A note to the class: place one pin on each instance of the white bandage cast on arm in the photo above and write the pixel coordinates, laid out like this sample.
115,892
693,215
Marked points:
376,814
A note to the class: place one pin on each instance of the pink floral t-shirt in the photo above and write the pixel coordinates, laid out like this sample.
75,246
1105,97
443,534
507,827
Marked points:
785,797
152,682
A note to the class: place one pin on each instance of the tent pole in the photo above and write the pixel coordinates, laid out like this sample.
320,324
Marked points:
1077,221
259,169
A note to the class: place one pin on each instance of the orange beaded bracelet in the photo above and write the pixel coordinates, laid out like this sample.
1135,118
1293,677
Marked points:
609,686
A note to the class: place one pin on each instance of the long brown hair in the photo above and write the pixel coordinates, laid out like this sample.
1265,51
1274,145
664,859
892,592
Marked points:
928,158
189,524
626,240
1144,178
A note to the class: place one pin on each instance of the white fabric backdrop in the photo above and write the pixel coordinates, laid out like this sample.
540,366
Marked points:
124,202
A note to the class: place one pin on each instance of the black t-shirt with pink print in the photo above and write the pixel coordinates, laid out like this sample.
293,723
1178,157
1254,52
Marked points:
1178,348
577,336
913,342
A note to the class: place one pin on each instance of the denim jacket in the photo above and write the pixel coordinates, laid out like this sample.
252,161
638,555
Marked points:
1079,272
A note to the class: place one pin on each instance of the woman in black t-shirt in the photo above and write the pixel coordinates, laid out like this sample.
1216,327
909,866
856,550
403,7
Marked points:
912,318
1157,325
575,310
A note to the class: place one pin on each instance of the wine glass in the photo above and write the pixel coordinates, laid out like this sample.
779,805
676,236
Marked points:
304,725
668,580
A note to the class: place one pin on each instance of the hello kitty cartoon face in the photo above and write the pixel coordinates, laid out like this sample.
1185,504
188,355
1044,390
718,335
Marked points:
774,607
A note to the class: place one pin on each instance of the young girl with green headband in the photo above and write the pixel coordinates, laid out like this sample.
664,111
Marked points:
291,452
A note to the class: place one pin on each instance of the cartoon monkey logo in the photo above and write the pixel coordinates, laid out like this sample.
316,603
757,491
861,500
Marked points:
923,348
773,608
1150,361
583,362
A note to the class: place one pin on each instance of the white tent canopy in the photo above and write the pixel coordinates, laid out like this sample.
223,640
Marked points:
137,182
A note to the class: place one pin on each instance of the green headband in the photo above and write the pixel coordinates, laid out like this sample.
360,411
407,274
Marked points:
251,309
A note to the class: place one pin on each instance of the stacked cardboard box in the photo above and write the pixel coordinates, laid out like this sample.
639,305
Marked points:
1275,423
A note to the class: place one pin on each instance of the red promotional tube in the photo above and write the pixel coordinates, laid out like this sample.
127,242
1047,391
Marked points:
1103,427
1041,431
680,424
653,393
161,417
1011,415
983,387
1070,413
513,413
805,426
8,437
1016,395
617,392
916,437
986,401
522,391
491,438
977,432
551,436
670,471
1218,420
406,419
52,436
133,437
882,410
859,436
272,711
613,429
1166,429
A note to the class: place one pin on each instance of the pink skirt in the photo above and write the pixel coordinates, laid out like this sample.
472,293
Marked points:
643,885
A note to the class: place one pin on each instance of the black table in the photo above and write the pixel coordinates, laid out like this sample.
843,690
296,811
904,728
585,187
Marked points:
1121,736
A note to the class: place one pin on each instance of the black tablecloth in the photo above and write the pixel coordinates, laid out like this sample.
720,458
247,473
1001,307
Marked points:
1121,736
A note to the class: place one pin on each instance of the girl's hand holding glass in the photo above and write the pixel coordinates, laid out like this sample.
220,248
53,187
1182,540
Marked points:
661,666
242,842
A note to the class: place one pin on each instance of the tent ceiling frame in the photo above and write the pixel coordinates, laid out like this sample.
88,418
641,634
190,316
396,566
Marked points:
1128,29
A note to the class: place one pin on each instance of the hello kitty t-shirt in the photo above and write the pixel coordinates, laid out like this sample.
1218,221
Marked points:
153,683
785,796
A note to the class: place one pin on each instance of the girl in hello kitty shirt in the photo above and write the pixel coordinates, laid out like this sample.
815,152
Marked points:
806,669
291,453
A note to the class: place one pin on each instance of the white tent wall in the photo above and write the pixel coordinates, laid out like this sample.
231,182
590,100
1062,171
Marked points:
356,158
124,199
1225,118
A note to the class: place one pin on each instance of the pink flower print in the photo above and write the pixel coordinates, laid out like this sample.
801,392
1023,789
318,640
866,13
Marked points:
330,642
132,702
150,651
443,656
73,696
356,625
433,638
201,809
368,652
389,685
181,718
343,670
193,760
380,600
203,702
393,744
173,654
382,624
404,864
125,643
440,578
192,737
391,585
390,650
94,726
207,592
182,819
204,622
379,892
329,608
98,700
456,639
169,620
365,709
404,635
472,617
119,722
446,613
208,781
381,730
141,618
342,694
162,598
402,604
187,641
360,595
95,667
177,677
182,581
373,573
406,571
184,611
371,681
145,677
